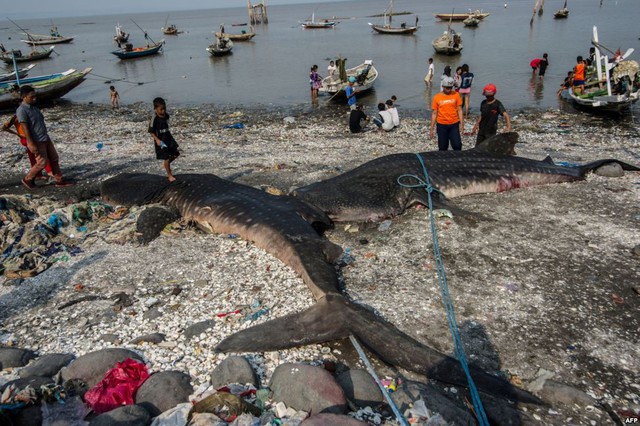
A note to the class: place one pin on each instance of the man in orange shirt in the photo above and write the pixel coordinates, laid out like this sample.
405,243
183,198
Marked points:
578,77
447,116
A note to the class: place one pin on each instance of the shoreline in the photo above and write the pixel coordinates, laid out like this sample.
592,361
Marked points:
516,273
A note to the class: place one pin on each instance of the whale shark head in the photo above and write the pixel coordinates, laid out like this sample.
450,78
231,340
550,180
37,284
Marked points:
131,189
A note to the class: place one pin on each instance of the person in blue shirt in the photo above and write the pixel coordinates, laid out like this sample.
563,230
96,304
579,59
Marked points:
465,88
351,91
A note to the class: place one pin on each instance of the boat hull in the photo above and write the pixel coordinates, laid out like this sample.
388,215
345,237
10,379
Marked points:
47,90
459,16
332,85
384,29
138,52
48,40
614,104
8,58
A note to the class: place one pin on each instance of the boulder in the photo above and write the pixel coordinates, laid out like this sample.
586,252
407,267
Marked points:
47,365
92,367
234,369
164,390
307,388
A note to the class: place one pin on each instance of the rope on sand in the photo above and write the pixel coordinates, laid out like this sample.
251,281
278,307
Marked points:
444,290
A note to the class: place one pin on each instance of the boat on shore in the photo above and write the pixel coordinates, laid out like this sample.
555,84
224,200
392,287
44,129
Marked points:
313,24
22,73
614,86
449,43
461,16
243,36
47,89
32,80
221,47
130,52
8,56
365,74
387,28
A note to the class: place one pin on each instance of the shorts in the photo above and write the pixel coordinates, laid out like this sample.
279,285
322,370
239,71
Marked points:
428,77
578,83
171,151
542,71
465,91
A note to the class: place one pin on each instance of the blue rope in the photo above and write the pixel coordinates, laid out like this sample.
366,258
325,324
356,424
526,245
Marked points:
444,290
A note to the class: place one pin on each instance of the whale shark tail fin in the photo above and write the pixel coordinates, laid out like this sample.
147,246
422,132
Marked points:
335,318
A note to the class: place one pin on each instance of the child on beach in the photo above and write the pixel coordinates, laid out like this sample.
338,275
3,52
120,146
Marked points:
578,77
428,79
490,110
164,143
115,97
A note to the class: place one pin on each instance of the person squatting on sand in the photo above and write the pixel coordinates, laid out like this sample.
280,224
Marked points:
164,143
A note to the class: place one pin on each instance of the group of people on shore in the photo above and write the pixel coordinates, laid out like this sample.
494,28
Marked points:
386,120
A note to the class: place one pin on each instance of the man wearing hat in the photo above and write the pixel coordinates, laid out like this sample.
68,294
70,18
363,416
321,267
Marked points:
490,110
351,93
446,115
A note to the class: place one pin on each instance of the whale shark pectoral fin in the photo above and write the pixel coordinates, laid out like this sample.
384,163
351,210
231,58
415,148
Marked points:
153,220
322,322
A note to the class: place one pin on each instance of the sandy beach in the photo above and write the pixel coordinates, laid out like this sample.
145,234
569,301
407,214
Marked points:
545,280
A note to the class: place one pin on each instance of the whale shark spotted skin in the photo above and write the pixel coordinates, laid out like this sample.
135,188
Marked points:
371,192
288,228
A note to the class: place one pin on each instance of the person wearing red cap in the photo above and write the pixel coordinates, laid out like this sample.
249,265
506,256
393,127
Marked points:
490,110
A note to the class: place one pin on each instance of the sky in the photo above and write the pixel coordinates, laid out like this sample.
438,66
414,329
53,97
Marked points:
31,9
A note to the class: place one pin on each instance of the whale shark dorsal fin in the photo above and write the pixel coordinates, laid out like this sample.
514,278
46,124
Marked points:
548,160
503,144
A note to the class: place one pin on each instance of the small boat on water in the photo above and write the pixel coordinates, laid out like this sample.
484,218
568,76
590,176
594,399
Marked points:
365,74
243,36
170,29
121,36
7,56
222,46
54,37
130,52
471,21
449,43
47,89
614,86
243,24
562,13
313,24
31,80
387,28
461,16
22,73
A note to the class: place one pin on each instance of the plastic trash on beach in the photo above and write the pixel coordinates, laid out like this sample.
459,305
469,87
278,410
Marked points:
384,226
237,125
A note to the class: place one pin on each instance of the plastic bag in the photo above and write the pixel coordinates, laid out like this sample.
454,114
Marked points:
118,386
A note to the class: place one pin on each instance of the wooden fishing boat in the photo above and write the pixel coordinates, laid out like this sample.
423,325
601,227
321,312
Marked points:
222,46
461,16
449,43
615,87
243,36
46,90
387,28
242,24
32,80
562,13
471,21
7,56
54,37
365,74
121,36
130,52
313,24
22,72
170,30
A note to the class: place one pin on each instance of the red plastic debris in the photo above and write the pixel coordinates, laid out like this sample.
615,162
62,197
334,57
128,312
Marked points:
118,386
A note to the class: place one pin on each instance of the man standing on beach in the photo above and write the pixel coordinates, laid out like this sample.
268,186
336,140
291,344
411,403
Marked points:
38,141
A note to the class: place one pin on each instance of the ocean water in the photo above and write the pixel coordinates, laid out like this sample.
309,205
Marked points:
271,71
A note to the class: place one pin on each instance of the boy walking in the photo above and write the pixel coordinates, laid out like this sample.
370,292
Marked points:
165,145
490,110
428,79
38,141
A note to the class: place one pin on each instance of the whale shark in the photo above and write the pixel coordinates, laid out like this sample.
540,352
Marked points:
291,230
371,192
